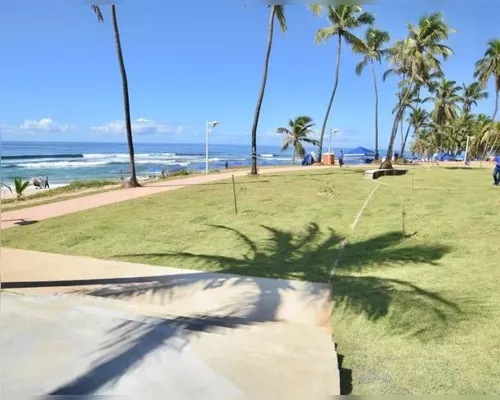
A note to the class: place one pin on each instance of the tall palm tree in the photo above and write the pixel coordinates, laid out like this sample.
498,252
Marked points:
343,18
418,56
126,102
277,12
471,94
446,98
489,66
373,50
296,134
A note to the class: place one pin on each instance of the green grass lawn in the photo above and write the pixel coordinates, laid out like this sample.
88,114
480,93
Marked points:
417,313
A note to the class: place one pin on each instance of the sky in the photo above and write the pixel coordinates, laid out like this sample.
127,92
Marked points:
60,79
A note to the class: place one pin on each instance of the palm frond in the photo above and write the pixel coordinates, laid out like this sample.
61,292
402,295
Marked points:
280,16
283,131
6,186
97,12
361,66
316,9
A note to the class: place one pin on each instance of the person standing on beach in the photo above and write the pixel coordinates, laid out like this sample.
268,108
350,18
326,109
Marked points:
496,171
46,185
341,158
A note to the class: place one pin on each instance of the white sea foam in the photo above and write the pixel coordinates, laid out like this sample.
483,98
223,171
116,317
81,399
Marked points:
97,163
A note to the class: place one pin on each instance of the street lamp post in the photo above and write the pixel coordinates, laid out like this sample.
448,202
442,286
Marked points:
467,149
334,131
210,124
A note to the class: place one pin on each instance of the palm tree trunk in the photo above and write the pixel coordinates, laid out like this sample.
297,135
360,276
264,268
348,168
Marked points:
402,128
261,93
403,145
293,157
493,121
496,107
126,102
387,164
376,110
325,121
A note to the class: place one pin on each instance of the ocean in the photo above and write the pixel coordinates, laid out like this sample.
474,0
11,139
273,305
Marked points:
64,162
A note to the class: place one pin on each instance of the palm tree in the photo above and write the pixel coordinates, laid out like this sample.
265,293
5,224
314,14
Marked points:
373,50
418,119
296,134
446,99
126,102
482,134
489,66
343,18
471,94
277,12
423,143
418,57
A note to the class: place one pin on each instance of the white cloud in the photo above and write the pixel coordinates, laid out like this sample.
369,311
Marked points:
140,126
45,125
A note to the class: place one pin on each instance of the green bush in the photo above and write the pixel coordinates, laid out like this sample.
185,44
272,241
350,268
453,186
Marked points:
20,186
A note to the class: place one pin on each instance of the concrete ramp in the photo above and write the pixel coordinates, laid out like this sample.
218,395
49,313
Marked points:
77,325
79,345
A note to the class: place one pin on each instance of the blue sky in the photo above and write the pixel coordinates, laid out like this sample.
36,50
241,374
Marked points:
60,79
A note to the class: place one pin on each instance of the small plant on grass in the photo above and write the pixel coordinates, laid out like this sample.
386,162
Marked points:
327,190
20,186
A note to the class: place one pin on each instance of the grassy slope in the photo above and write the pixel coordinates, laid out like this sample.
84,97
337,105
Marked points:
415,315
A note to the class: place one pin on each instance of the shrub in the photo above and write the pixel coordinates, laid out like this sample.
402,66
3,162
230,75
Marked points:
20,186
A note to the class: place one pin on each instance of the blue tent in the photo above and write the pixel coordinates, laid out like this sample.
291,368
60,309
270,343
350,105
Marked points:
360,151
359,155
442,156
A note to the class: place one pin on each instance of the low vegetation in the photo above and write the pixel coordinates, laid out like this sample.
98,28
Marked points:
73,190
416,311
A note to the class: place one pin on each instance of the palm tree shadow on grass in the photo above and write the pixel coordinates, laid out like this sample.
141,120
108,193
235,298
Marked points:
309,255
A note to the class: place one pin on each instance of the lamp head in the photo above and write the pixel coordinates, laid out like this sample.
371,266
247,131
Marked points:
213,124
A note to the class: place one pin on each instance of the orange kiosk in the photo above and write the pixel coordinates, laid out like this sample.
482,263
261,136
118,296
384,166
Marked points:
328,159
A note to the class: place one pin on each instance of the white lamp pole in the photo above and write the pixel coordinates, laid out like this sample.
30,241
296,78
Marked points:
467,148
210,124
330,144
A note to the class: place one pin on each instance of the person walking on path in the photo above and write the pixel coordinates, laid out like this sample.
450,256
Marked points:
496,171
341,158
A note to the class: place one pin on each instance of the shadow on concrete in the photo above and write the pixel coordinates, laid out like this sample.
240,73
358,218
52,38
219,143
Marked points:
130,342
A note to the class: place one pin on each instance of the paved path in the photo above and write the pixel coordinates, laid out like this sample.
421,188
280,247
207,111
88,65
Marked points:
189,333
46,211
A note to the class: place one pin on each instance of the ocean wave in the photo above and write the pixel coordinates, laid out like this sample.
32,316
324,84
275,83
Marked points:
90,164
41,156
125,155
267,155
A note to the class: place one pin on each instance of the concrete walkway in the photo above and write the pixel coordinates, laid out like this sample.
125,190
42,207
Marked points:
38,213
255,337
